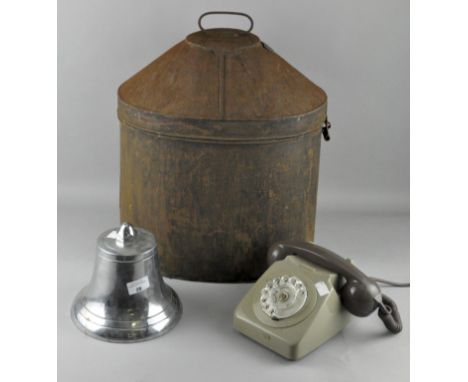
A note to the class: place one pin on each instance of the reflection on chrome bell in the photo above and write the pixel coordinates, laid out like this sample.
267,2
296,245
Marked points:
127,299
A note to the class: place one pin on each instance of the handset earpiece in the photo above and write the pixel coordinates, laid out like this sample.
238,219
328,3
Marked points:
360,295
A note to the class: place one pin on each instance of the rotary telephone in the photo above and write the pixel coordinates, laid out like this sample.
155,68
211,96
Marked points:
307,296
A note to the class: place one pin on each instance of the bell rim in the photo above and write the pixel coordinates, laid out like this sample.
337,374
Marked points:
111,333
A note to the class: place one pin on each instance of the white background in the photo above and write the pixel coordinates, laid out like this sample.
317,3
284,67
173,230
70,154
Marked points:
359,53
439,189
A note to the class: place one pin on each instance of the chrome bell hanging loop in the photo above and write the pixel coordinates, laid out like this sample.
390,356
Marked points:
127,300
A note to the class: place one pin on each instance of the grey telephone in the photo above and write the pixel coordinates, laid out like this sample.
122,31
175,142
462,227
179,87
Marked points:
307,296
360,295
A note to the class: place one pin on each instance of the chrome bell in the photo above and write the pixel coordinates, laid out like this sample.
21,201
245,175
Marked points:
127,299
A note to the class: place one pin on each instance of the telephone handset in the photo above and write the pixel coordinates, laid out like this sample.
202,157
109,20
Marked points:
306,297
360,295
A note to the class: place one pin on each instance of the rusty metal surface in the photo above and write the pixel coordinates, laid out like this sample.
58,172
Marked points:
220,144
222,74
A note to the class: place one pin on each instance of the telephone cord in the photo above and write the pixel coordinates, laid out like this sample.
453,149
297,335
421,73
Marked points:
390,282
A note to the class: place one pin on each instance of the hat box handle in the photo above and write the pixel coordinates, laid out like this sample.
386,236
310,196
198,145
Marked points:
226,13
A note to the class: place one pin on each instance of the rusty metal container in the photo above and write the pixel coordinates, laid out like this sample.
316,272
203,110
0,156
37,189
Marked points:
220,143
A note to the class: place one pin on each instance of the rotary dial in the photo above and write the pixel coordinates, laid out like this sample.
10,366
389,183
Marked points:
282,297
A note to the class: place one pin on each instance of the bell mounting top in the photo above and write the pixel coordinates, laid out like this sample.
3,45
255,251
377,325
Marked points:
222,75
126,243
125,235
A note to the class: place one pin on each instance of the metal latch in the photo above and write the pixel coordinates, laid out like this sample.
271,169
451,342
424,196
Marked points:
326,126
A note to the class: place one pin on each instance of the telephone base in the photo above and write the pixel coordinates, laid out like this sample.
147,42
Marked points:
320,318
